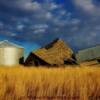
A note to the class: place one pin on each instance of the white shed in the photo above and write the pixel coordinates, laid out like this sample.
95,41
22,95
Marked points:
10,53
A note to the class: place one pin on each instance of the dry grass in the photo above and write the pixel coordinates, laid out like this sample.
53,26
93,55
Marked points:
79,83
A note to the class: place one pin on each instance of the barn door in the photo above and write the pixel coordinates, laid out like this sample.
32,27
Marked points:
36,62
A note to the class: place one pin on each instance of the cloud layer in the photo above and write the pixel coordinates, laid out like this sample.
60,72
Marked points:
39,21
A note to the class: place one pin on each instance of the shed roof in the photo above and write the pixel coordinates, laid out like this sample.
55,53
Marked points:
88,49
6,43
88,54
55,52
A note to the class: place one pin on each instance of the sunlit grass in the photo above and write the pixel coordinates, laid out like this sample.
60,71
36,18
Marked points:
68,83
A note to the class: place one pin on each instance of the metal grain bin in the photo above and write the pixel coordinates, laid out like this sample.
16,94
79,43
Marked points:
11,54
88,54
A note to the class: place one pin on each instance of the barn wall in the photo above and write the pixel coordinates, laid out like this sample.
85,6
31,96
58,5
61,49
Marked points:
34,60
11,56
29,61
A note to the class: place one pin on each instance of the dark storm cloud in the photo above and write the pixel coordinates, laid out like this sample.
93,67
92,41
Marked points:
24,6
41,14
41,21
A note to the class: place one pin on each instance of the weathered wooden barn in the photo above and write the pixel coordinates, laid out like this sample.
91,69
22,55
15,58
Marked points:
54,54
88,54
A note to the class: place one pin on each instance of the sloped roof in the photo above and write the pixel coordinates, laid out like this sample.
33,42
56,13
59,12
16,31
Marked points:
55,52
6,43
88,54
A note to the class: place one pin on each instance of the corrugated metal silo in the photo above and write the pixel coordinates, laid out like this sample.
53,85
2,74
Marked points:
11,54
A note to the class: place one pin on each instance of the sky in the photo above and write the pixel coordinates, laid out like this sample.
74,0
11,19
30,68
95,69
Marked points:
34,23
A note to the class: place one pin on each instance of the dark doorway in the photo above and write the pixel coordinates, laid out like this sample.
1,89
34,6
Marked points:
99,60
67,62
21,60
36,63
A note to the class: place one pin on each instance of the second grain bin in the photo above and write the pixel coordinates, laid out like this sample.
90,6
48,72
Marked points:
11,54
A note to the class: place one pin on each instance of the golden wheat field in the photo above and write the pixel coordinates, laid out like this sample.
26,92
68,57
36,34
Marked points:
68,83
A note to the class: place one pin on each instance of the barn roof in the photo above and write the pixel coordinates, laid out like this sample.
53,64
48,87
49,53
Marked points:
55,52
6,43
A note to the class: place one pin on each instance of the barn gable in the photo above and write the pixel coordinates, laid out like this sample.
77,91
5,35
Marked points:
53,54
35,60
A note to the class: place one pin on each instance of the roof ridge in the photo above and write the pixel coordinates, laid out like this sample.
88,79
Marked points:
52,43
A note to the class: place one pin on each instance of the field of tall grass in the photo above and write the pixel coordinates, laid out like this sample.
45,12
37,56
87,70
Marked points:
69,83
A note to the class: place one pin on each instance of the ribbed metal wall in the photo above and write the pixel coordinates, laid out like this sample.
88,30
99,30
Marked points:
88,54
11,55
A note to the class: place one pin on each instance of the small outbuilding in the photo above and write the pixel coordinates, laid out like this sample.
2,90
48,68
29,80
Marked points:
88,54
54,54
10,53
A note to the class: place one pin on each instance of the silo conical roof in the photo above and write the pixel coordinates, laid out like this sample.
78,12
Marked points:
6,43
